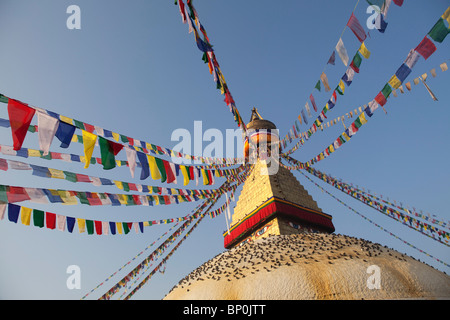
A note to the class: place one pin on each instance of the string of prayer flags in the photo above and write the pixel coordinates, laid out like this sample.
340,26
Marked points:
441,235
20,116
372,222
425,50
52,221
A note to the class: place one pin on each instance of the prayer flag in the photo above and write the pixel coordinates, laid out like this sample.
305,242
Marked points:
386,91
332,58
340,48
356,62
38,218
65,133
403,72
13,211
153,168
25,216
108,151
364,51
50,220
47,130
439,31
313,102
161,168
144,165
317,86
304,116
395,82
324,79
426,48
412,58
20,116
88,144
131,158
356,27
348,76
380,23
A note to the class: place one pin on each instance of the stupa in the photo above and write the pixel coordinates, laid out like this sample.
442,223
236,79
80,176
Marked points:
280,245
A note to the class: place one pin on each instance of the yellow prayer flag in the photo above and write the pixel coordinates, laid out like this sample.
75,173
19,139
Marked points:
416,81
81,225
341,86
362,118
345,136
116,136
33,153
118,184
67,198
395,82
331,148
58,174
443,66
89,140
25,215
122,199
74,138
156,200
364,51
66,119
154,171
119,227
446,15
183,170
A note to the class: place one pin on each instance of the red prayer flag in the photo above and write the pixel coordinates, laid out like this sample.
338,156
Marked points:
169,172
20,116
356,27
380,99
50,220
313,102
426,48
89,127
398,2
98,227
16,194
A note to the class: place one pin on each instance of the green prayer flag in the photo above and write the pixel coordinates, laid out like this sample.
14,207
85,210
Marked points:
338,89
126,186
162,170
70,176
90,226
124,139
3,99
317,85
82,197
79,124
125,227
386,91
357,123
107,155
439,31
357,60
38,218
3,196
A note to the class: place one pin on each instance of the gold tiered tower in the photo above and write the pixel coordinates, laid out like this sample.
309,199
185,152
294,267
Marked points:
273,203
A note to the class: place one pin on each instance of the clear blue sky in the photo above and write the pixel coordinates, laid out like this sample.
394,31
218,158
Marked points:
133,68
